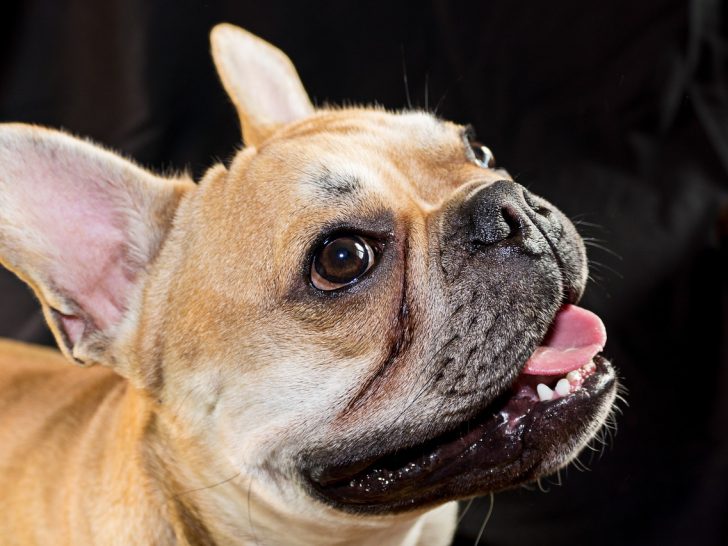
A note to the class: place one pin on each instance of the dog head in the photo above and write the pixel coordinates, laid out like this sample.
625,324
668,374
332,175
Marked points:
357,309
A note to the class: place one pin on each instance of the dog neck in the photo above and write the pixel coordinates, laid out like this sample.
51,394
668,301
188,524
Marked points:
208,504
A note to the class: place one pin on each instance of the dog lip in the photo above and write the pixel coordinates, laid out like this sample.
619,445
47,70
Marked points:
484,454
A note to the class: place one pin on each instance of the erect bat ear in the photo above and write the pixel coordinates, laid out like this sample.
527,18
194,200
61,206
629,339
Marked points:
80,225
261,81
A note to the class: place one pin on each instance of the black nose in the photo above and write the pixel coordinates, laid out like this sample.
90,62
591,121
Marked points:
497,214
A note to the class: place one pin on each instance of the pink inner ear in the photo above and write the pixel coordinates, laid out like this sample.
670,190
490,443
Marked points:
78,223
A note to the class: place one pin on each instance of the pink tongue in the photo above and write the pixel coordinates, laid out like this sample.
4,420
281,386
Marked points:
575,337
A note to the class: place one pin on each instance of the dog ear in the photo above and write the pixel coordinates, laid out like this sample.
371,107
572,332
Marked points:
80,225
261,81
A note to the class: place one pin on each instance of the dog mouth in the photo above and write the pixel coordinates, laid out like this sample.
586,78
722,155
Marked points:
537,425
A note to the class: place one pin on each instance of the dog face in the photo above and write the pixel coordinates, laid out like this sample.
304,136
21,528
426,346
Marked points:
376,293
347,313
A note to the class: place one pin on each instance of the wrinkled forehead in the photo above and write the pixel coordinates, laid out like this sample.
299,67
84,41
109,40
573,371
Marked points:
334,154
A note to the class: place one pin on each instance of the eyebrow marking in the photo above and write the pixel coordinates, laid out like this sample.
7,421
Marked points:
337,184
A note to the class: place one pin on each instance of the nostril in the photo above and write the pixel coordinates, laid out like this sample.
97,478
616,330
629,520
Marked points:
503,222
537,207
497,214
543,211
512,220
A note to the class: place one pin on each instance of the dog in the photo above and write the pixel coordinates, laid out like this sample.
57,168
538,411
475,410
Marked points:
355,323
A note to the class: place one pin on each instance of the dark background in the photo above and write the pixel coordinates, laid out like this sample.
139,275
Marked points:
616,111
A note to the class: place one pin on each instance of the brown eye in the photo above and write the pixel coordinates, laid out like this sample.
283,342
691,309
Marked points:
340,262
483,156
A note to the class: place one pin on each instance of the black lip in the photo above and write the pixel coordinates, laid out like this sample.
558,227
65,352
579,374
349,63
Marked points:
487,453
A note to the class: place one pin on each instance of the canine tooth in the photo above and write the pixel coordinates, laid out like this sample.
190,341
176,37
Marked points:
574,376
563,387
544,392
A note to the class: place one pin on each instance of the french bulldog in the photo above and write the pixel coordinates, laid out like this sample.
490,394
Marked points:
355,323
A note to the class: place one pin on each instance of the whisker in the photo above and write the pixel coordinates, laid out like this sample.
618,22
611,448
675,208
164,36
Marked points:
604,267
430,380
444,94
465,511
486,520
596,279
427,102
603,248
406,82
226,480
577,222
580,466
250,516
426,367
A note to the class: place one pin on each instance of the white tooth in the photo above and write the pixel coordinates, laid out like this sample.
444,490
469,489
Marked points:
544,392
563,387
573,376
589,367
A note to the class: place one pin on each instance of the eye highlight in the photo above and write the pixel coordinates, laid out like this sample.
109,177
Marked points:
341,261
481,154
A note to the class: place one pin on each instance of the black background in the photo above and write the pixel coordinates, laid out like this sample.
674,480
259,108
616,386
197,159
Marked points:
617,111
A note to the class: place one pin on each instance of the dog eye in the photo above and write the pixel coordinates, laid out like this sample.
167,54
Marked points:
483,156
340,262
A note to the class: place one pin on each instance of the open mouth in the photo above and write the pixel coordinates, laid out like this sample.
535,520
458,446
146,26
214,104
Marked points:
537,425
